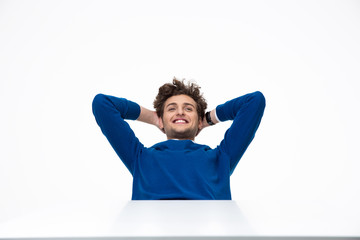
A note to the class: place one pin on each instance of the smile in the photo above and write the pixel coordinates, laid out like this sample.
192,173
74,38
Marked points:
180,121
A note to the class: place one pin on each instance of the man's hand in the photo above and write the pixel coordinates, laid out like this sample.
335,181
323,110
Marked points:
150,117
205,124
213,119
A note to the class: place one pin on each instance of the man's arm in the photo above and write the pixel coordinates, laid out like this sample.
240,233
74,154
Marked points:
246,112
148,116
110,114
213,117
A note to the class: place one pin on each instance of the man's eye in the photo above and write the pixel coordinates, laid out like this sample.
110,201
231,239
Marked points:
171,109
188,109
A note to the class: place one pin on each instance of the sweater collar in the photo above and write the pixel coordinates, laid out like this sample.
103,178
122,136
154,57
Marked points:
178,145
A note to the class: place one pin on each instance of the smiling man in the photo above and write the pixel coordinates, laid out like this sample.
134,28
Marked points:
180,119
179,168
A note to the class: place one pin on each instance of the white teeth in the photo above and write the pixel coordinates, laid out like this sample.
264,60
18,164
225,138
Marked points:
180,121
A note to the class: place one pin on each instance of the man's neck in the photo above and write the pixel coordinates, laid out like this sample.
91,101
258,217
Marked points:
181,139
173,138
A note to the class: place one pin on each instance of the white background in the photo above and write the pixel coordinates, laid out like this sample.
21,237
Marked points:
55,56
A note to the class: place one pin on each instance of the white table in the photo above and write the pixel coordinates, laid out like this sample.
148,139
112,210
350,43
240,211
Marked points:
186,220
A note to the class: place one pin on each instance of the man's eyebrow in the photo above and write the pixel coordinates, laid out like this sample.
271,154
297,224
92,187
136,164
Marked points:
171,104
175,104
189,104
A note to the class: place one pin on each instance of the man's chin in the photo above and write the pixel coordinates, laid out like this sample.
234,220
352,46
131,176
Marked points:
185,134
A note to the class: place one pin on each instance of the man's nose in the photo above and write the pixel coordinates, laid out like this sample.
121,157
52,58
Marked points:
180,111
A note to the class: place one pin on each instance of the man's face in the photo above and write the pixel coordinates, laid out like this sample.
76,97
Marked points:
180,119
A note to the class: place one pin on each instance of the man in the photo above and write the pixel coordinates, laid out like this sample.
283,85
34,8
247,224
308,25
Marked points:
179,168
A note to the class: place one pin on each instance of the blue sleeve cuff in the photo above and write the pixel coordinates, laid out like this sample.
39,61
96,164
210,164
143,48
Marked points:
220,113
133,111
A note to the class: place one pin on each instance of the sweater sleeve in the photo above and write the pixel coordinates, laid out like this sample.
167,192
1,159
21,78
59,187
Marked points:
110,114
246,112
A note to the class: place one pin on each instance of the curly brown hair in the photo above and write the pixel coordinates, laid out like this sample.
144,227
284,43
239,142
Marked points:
178,88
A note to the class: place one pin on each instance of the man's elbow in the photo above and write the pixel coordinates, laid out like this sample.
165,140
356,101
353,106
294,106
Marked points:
260,99
97,102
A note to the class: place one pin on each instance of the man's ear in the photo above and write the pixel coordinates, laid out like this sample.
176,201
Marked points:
161,124
200,124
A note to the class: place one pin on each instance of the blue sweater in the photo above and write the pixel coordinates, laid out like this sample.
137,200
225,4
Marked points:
180,169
